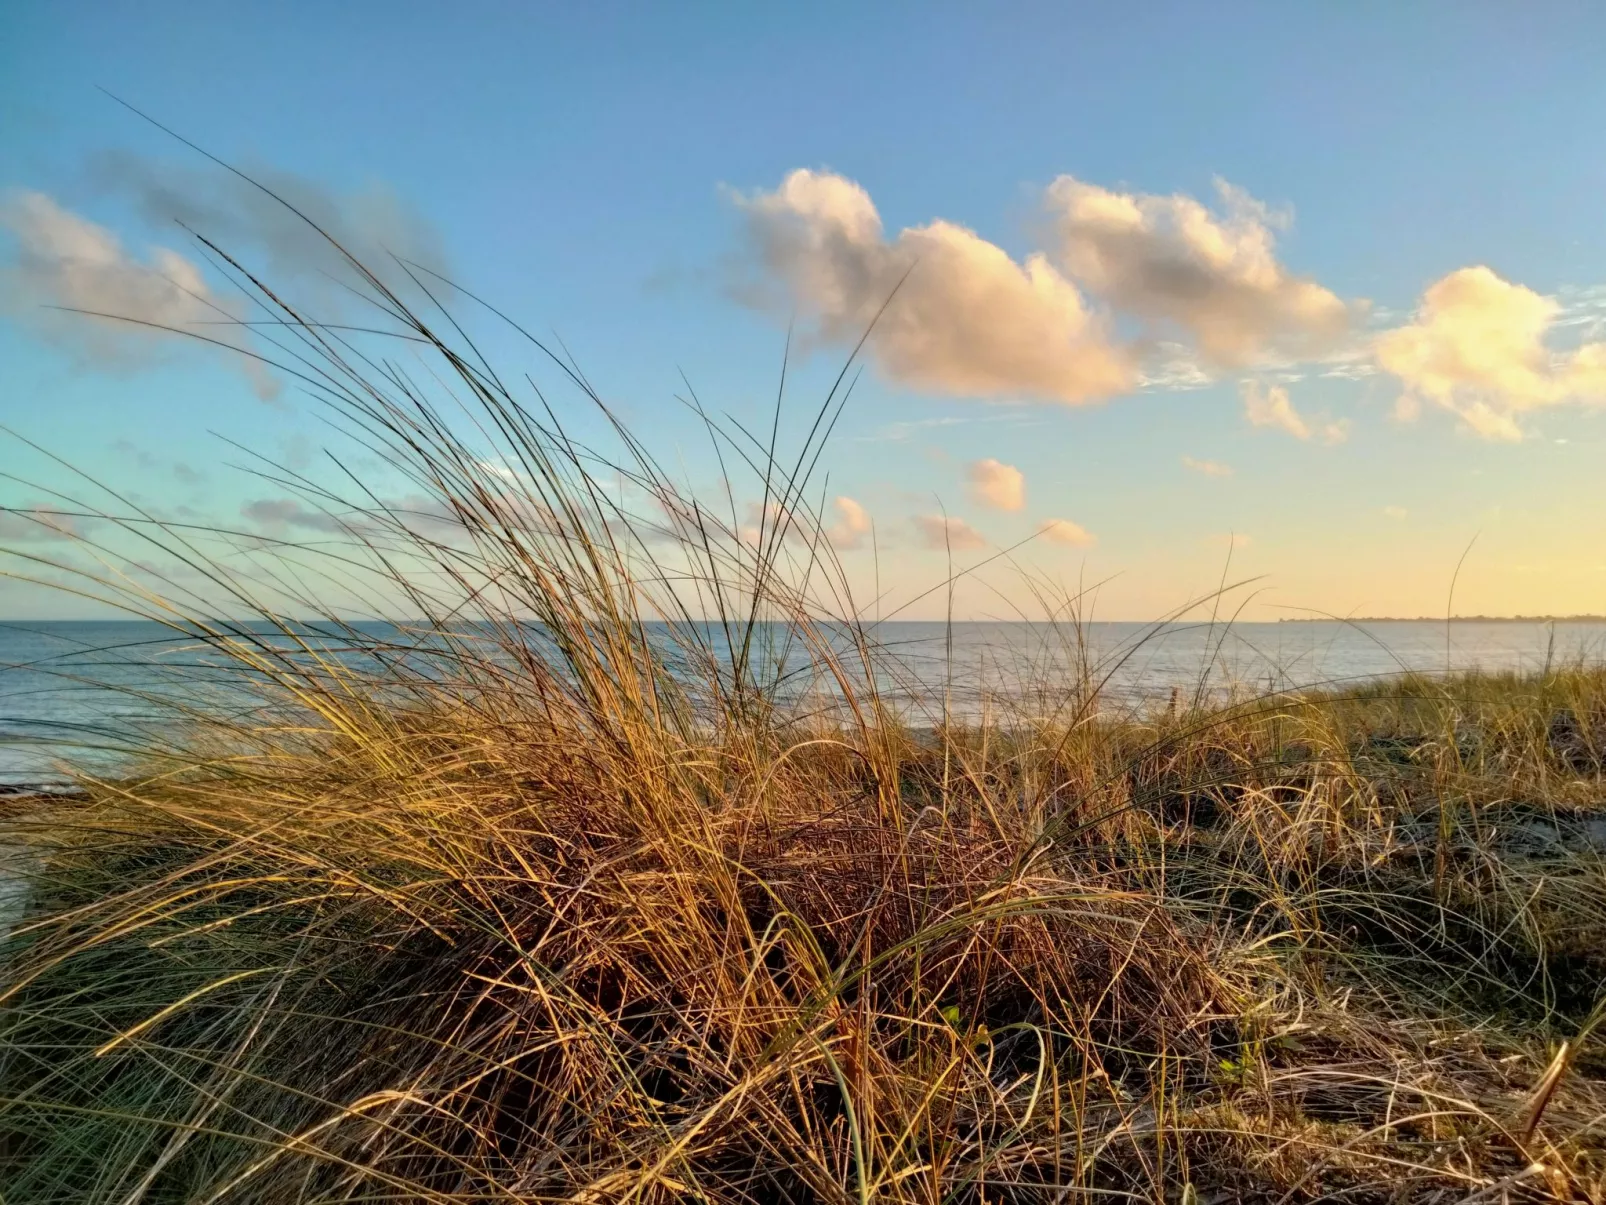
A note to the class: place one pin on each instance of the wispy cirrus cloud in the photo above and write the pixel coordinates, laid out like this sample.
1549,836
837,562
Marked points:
416,513
1067,533
40,522
184,474
273,214
1209,468
1269,406
278,514
150,299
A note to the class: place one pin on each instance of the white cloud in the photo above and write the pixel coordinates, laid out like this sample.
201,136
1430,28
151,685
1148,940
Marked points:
961,316
65,262
1213,276
851,526
1269,406
1072,535
1477,349
1210,468
995,484
942,532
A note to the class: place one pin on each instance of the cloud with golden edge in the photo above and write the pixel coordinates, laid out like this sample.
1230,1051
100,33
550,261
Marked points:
995,484
1477,349
1071,535
1214,276
952,313
1269,406
944,532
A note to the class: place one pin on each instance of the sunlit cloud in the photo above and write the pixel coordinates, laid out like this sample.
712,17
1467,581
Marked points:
128,311
995,484
952,313
1269,406
1210,468
851,526
1072,535
943,532
1212,276
1477,349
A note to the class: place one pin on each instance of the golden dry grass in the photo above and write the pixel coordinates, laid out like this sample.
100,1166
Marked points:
560,893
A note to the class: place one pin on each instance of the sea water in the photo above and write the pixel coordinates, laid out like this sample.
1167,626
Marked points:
85,692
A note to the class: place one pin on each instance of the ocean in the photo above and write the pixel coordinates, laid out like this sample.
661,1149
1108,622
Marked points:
82,692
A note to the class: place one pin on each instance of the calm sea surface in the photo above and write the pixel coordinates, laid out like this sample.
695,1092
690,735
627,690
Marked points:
81,691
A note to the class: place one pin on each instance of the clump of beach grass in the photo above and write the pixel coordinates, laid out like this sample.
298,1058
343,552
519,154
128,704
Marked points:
564,889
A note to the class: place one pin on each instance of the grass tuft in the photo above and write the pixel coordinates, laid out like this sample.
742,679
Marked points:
618,875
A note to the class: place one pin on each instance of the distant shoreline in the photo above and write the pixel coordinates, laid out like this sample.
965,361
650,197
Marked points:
1450,619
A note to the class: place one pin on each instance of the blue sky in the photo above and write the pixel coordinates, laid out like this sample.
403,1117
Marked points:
601,171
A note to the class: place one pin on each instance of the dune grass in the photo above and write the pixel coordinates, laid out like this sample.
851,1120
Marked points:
616,875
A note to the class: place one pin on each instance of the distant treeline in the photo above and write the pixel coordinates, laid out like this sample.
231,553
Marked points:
1452,619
